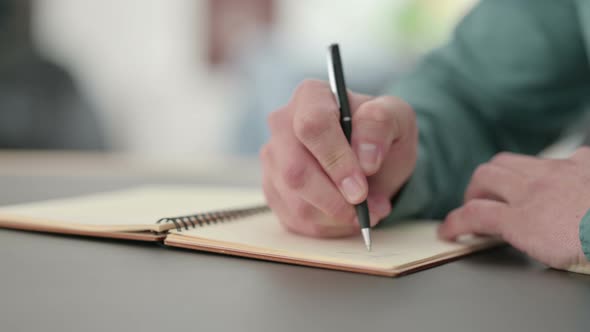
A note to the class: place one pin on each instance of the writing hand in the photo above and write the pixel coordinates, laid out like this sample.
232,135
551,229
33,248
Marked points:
312,176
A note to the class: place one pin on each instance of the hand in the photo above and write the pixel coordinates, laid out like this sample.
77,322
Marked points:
534,204
312,176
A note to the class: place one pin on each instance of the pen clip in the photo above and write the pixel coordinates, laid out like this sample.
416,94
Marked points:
331,75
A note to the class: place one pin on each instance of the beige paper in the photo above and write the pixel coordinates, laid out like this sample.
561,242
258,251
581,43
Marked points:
133,214
395,248
129,210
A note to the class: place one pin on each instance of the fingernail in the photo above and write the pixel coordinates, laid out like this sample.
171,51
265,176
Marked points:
368,156
352,189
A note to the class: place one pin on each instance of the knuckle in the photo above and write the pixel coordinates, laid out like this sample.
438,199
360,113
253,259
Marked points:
335,159
294,175
377,113
302,210
538,184
482,171
501,158
395,102
311,122
471,210
308,86
264,153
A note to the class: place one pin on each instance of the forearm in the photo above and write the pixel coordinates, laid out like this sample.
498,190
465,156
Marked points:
473,98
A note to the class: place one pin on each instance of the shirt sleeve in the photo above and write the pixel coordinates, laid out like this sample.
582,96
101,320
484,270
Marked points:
585,234
583,266
513,76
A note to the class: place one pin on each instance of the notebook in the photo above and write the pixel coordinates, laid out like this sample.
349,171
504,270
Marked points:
235,221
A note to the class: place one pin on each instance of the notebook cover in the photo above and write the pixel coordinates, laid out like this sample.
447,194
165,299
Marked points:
137,236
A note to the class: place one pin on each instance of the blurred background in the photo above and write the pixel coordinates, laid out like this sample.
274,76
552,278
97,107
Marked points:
191,77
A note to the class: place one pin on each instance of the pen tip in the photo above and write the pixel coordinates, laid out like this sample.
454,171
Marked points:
367,237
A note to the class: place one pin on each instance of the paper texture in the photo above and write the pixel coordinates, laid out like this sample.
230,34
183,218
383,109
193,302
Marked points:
133,214
395,248
130,210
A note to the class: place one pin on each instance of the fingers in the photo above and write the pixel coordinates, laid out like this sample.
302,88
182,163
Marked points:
390,124
379,208
293,214
300,174
312,176
293,169
316,125
523,164
297,189
495,182
478,216
375,126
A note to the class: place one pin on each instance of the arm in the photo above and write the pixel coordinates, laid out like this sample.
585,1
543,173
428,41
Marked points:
512,78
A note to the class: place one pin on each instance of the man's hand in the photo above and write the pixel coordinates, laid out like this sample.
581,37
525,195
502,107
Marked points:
312,176
534,204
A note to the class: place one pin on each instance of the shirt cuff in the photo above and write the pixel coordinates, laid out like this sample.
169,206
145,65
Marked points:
585,234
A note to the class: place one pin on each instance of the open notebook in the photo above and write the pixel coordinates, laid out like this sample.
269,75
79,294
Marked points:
234,221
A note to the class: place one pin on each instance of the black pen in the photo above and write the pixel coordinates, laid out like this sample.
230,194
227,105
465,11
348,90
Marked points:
336,75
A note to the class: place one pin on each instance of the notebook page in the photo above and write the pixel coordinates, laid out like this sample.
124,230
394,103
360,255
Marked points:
131,210
393,246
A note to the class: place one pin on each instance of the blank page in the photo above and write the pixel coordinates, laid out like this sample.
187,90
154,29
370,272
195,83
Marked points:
130,210
395,248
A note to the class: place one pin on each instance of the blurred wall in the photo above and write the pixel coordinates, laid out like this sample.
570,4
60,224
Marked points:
145,63
139,61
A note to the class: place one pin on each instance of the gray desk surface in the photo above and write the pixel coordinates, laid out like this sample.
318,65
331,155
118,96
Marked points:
67,283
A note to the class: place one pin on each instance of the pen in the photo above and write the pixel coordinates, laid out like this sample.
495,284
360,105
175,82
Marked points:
338,87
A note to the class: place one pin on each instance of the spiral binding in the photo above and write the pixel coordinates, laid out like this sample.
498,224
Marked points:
207,218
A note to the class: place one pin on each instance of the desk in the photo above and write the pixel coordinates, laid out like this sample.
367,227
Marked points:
67,283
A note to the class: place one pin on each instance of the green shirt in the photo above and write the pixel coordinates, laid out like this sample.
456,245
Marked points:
514,75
